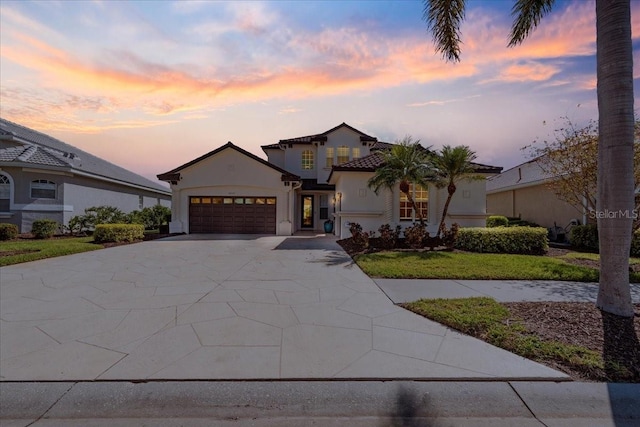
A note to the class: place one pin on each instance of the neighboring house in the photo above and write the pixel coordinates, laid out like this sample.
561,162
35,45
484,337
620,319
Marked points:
523,192
42,177
305,182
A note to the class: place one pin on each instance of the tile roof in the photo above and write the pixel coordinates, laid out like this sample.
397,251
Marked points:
41,149
308,139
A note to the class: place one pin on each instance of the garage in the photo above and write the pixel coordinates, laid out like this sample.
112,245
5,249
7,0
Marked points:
232,215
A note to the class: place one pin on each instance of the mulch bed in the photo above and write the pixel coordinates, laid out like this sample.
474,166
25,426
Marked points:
582,324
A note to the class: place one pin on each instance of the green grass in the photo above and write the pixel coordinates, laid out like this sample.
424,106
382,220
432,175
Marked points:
592,257
46,248
490,321
467,265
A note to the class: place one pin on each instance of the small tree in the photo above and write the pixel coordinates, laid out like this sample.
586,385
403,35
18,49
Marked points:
570,160
406,163
451,165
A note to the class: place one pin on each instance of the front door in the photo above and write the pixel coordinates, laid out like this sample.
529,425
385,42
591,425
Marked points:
306,220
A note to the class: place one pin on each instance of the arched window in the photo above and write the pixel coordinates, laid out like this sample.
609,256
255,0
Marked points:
43,189
307,160
5,193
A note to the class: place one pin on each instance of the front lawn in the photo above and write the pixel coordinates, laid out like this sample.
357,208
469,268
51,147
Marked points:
474,266
569,337
25,250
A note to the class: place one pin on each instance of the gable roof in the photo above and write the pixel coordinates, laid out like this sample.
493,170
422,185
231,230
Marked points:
320,137
173,175
35,148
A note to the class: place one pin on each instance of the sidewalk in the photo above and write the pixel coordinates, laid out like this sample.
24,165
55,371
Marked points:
408,290
319,403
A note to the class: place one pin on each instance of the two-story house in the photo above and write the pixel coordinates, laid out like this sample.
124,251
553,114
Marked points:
306,182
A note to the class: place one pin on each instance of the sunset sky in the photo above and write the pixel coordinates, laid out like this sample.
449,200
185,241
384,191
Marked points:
152,85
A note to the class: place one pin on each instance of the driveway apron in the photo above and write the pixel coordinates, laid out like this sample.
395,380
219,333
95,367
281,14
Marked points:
225,307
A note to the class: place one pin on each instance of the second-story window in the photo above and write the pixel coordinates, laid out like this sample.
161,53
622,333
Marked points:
307,159
330,153
343,154
355,152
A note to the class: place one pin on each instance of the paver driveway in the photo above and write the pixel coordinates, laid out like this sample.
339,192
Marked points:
224,308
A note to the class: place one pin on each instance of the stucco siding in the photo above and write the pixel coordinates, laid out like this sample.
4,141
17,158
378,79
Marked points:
230,173
535,203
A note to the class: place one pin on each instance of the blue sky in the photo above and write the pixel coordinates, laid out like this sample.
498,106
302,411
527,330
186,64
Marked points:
152,85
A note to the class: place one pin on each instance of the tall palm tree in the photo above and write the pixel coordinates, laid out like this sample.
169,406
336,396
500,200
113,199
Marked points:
451,165
615,109
406,163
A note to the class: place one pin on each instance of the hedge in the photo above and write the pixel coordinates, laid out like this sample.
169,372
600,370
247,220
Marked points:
118,233
586,237
510,240
44,228
8,231
497,221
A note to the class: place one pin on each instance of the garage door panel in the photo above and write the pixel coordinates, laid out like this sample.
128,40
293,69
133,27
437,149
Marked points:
242,214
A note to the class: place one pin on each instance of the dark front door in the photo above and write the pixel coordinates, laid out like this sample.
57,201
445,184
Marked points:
307,212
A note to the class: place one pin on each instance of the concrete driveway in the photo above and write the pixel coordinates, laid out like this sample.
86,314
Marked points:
225,307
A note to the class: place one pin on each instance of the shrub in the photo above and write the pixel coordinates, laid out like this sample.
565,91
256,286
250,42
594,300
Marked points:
584,237
415,235
449,236
103,215
8,231
522,223
635,244
511,240
360,238
497,221
44,228
152,218
118,233
388,236
77,225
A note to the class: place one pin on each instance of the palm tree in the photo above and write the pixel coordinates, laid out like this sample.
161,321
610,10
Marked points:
615,109
450,166
406,163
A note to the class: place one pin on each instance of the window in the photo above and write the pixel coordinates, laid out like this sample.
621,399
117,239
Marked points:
307,159
140,202
324,206
355,152
330,154
421,197
43,189
5,193
343,154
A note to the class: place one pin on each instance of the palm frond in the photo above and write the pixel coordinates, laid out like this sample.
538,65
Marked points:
443,18
528,14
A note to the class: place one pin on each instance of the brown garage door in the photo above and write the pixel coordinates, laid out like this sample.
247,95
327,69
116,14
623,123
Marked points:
236,215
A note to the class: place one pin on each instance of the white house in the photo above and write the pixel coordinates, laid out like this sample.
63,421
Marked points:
44,178
306,182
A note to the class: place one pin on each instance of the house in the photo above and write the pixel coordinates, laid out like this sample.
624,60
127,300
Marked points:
523,192
42,177
305,182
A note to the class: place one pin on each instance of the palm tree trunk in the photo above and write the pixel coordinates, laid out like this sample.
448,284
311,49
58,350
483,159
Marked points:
450,190
615,154
414,206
